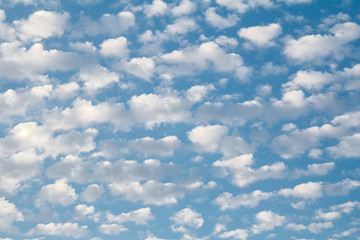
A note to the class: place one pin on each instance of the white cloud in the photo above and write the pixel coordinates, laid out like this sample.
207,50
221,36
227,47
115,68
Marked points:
319,227
65,91
107,24
218,21
293,2
42,24
296,227
7,32
84,114
228,201
59,229
317,47
310,190
347,207
342,187
243,174
87,47
199,92
152,237
207,138
30,135
96,77
92,192
261,36
188,217
155,109
139,217
156,8
148,146
195,59
8,215
59,192
139,67
112,229
299,141
180,26
226,41
18,168
267,220
312,227
235,234
315,169
151,192
244,6
271,69
347,147
184,8
114,47
327,216
19,63
82,210
232,114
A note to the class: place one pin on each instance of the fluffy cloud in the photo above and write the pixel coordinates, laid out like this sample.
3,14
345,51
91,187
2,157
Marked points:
30,135
96,77
318,227
315,169
19,168
267,220
243,174
317,47
59,229
82,211
293,2
151,192
198,58
156,8
199,92
181,26
342,187
313,227
140,67
244,6
84,113
163,147
235,234
327,216
59,192
112,229
218,21
207,138
347,147
310,190
92,192
185,7
261,36
114,47
155,109
8,214
107,24
43,24
228,201
188,217
17,62
315,80
140,216
347,207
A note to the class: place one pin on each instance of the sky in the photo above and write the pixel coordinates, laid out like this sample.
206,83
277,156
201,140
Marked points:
179,120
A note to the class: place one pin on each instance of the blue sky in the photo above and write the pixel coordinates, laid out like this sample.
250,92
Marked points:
191,120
